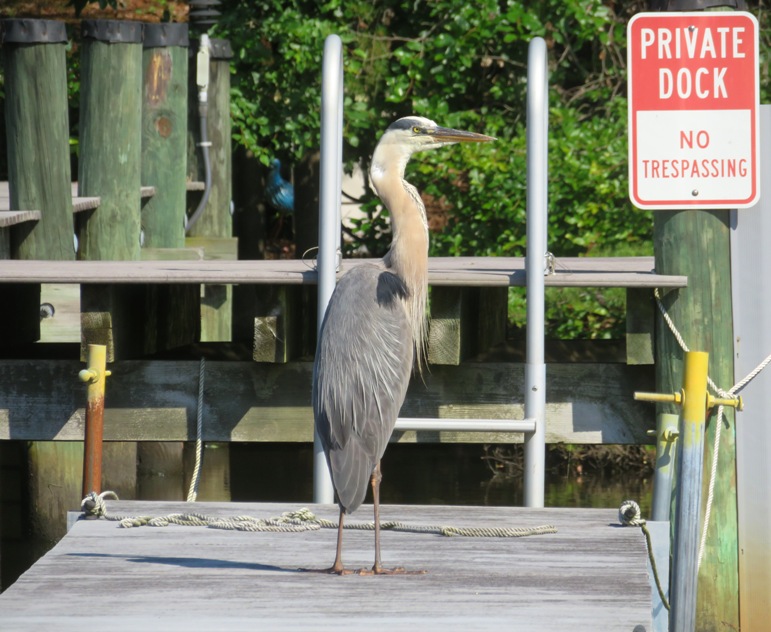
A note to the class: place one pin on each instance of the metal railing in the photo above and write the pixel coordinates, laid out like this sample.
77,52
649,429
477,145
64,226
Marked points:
536,264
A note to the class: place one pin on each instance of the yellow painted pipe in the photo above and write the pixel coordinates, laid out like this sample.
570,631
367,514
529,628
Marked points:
695,389
94,376
664,398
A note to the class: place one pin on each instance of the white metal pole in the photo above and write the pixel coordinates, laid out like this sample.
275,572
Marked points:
535,265
330,184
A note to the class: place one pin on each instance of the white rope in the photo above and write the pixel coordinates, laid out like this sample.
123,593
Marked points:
294,522
729,394
192,494
629,515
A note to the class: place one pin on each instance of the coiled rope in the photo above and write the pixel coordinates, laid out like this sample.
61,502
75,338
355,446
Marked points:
729,394
629,515
293,522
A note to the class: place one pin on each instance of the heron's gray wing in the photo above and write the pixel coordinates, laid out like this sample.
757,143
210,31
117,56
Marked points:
363,363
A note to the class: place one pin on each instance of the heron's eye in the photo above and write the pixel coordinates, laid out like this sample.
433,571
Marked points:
417,130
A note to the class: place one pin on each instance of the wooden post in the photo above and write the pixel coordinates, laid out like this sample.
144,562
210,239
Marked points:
164,165
696,244
164,133
134,320
37,127
109,167
164,151
110,132
216,219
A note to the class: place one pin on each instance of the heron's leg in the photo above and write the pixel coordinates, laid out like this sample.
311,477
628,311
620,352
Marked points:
337,567
377,568
375,481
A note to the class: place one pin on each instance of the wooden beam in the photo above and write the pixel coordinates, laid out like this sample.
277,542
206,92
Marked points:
246,401
443,271
465,321
278,323
640,320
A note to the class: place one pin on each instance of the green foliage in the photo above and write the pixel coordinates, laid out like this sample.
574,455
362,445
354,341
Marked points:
464,65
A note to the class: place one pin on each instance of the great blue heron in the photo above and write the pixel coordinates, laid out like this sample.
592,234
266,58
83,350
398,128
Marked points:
374,330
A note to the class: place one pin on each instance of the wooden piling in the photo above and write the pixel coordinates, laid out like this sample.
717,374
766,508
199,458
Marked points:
110,132
109,167
137,320
164,133
38,137
696,244
37,128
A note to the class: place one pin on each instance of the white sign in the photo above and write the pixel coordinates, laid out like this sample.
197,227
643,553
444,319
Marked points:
693,110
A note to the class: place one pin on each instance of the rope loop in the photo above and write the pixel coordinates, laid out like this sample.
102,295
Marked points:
629,515
94,505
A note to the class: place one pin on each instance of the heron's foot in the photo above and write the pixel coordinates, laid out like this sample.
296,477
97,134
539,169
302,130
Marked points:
332,570
379,570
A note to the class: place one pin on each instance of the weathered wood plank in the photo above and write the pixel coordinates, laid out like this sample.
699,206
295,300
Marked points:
171,254
246,401
11,218
590,575
459,271
64,324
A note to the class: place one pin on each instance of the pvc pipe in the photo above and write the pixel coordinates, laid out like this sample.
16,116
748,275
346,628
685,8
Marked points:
682,617
536,268
465,425
330,185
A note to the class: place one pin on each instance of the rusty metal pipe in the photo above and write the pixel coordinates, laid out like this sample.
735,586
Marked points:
94,376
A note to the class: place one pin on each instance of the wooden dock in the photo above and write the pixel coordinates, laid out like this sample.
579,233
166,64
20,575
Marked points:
590,575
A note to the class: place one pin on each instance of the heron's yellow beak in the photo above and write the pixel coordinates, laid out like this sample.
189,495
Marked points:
447,135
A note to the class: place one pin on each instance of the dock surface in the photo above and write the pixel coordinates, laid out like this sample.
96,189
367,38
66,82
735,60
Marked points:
590,575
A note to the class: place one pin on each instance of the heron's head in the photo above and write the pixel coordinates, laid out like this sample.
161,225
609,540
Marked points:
275,164
410,134
415,133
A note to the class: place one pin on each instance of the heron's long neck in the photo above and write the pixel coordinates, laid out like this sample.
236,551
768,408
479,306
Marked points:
408,256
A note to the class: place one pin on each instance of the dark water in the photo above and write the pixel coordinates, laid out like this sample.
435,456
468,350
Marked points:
445,474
